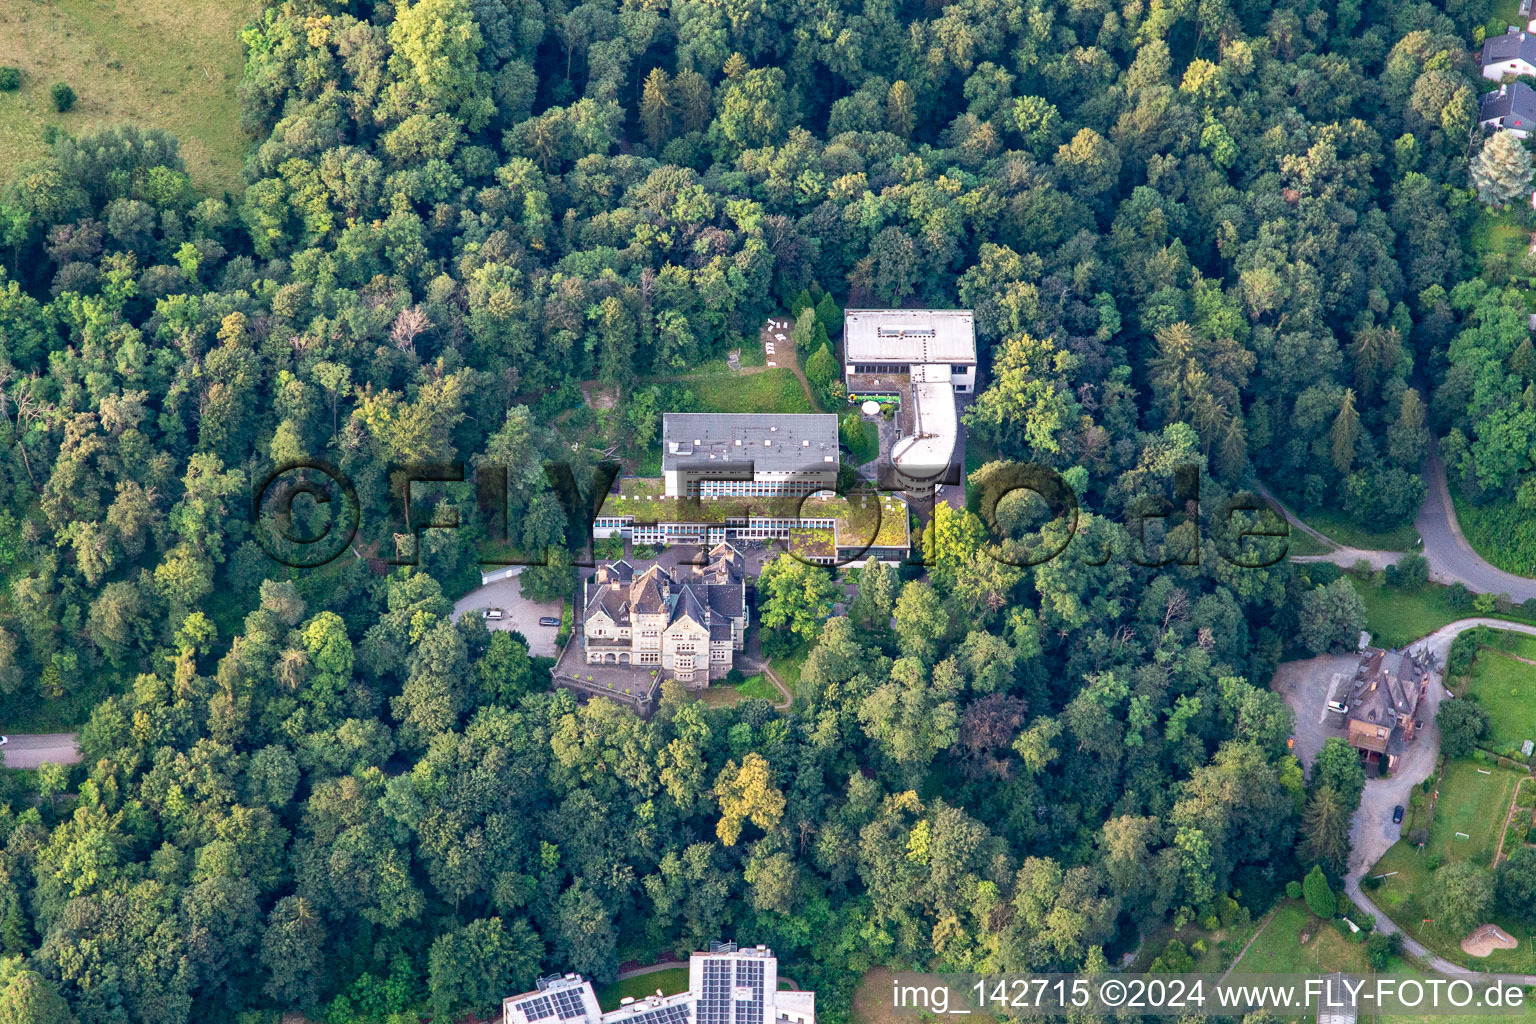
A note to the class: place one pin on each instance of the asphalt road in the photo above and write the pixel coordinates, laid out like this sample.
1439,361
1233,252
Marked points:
1451,559
32,749
518,613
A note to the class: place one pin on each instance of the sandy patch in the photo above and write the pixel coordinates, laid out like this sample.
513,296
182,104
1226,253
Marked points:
1485,939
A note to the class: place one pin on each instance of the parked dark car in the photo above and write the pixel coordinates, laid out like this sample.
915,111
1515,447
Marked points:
1397,815
548,620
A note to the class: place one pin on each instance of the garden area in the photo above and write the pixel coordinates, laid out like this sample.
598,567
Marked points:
726,692
861,437
669,981
1505,13
1468,818
1279,949
1506,688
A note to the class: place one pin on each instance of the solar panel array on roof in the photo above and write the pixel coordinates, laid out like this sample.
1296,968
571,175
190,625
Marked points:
715,1000
677,1013
749,975
537,1008
568,1003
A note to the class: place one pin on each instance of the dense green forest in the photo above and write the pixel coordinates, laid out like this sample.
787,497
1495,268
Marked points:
1220,232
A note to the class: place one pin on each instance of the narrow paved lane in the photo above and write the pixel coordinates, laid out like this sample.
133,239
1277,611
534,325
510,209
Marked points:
1451,558
1372,832
28,750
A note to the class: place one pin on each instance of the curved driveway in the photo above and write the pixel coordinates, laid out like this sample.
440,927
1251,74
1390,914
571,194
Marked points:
1372,832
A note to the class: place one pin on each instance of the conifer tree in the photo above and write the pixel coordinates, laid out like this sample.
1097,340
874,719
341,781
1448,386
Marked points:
1502,171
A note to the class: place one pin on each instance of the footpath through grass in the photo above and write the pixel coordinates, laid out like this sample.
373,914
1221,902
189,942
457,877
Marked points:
156,63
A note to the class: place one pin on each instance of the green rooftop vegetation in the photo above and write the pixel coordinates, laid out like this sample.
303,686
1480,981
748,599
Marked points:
861,518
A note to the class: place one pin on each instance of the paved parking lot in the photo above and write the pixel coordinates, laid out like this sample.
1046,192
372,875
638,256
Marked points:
520,613
1307,686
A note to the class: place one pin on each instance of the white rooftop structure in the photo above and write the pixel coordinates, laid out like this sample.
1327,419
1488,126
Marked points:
909,336
727,985
926,356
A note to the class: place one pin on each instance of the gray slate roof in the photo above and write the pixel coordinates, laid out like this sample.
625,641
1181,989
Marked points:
710,596
1510,46
1516,103
775,442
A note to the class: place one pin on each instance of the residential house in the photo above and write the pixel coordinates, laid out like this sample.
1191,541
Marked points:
1510,54
1511,107
689,625
1384,697
726,985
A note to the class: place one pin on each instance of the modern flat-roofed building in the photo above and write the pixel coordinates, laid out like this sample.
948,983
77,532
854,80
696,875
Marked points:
893,341
745,455
824,528
726,985
922,358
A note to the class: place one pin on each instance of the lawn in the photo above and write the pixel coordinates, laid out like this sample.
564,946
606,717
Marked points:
1399,617
1279,950
759,686
866,446
723,695
1506,688
788,669
671,980
1520,644
1340,528
1473,804
1505,13
775,390
159,64
1398,897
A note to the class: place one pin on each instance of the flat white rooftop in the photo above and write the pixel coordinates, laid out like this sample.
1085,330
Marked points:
924,455
909,336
